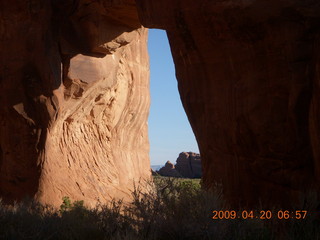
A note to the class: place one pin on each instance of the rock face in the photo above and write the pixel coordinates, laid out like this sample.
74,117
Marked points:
189,165
248,75
169,170
74,93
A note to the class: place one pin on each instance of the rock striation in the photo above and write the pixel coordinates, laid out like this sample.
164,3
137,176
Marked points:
74,93
248,77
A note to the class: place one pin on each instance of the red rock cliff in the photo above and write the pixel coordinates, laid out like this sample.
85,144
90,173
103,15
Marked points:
74,100
249,82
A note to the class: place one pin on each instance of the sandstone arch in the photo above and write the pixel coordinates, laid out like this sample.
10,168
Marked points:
254,105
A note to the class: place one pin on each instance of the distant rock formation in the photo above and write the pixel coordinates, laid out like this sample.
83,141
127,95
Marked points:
154,173
188,165
169,170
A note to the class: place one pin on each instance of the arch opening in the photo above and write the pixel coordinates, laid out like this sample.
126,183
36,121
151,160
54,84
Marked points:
169,129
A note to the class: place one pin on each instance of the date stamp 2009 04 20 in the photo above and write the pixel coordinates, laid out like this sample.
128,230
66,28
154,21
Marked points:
263,214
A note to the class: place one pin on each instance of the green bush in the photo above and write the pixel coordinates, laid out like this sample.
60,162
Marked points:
67,205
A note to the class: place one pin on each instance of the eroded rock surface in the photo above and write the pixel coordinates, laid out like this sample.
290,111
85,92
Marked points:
74,100
249,82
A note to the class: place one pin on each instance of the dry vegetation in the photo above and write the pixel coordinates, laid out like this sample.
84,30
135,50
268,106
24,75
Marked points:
176,209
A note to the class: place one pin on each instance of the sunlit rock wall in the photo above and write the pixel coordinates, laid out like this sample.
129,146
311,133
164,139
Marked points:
74,100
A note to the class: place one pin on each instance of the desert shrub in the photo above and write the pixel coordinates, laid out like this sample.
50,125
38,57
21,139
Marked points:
171,209
66,204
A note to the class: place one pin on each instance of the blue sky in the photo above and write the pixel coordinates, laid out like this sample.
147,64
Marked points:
169,130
